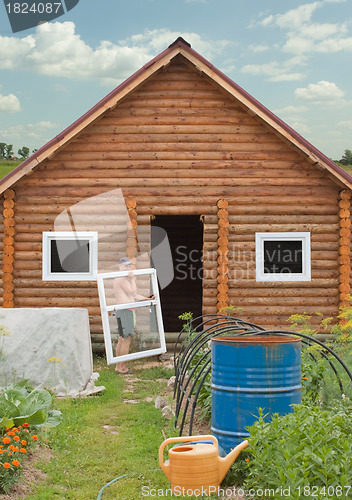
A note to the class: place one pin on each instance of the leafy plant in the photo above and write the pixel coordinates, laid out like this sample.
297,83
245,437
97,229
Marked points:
302,323
17,406
231,310
309,448
314,373
188,318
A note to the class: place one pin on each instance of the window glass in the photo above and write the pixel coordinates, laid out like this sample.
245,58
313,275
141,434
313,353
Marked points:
69,256
283,256
131,315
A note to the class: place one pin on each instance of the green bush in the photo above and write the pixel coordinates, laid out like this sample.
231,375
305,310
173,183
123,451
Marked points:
310,448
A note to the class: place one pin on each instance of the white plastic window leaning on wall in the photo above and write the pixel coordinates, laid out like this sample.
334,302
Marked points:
131,315
283,256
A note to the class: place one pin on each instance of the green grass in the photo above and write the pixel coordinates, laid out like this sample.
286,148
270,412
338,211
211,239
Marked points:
7,166
86,455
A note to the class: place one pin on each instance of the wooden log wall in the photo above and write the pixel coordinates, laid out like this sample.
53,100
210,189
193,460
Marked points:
177,145
8,248
344,247
2,253
223,260
131,233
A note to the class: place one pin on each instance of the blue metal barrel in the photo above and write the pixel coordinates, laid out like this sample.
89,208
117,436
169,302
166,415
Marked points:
249,373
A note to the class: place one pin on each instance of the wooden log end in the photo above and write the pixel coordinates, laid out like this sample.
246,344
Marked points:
344,203
345,223
222,204
223,231
344,278
345,231
344,250
344,259
344,213
345,240
132,213
223,241
344,287
9,231
8,240
8,213
345,194
8,296
9,250
8,259
7,276
223,214
9,194
8,203
9,286
223,223
223,288
8,304
220,306
131,203
10,222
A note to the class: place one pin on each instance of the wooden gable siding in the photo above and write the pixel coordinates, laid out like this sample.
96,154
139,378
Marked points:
1,252
177,145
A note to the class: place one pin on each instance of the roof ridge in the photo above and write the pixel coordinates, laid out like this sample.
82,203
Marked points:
179,41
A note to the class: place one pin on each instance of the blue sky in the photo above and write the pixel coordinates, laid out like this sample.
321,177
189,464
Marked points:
293,56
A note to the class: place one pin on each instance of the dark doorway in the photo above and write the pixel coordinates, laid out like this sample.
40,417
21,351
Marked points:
184,293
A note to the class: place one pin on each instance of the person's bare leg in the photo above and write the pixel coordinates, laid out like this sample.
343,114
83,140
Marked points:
122,348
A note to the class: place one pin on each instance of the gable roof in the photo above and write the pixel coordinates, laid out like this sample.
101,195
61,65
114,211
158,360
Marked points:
180,46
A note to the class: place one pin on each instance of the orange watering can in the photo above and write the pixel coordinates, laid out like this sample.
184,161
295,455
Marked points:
196,466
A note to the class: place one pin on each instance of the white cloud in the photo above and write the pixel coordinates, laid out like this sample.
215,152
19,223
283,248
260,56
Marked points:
292,19
158,39
9,104
300,126
291,110
346,123
277,72
56,50
29,132
321,92
258,48
292,115
304,36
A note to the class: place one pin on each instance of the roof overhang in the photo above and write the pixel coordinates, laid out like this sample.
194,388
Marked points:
180,46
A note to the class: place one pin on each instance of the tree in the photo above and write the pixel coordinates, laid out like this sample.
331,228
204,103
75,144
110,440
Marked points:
9,151
2,149
23,152
347,157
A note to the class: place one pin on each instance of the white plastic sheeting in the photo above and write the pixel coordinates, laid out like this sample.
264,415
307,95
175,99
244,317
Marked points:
49,346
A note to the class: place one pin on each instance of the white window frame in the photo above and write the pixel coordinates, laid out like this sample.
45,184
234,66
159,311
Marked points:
305,275
91,236
105,309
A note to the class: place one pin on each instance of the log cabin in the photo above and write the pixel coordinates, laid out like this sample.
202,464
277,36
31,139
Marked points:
256,217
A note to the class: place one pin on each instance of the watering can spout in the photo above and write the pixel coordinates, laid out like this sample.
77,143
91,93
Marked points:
226,462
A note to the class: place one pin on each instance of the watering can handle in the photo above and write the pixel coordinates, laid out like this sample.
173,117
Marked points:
180,439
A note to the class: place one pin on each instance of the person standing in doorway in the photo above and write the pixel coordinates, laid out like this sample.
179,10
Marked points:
125,291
